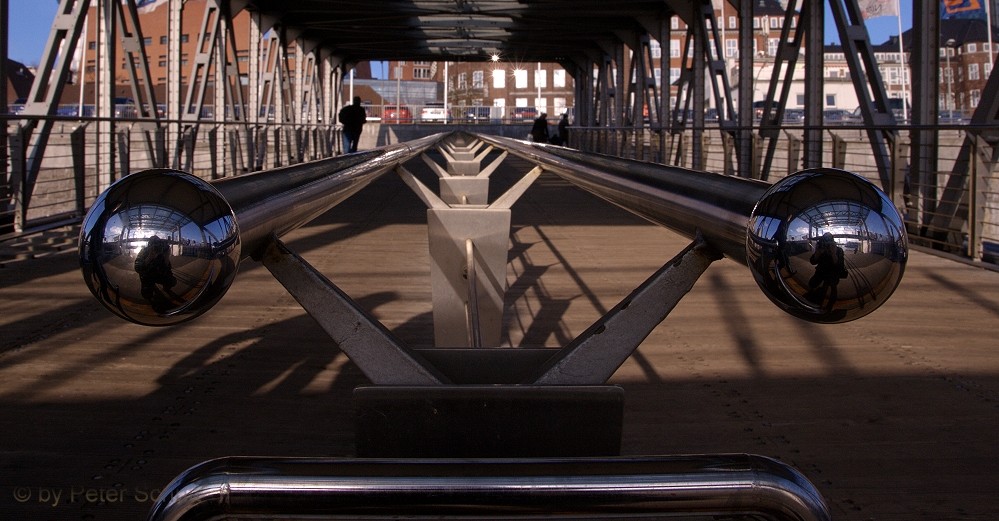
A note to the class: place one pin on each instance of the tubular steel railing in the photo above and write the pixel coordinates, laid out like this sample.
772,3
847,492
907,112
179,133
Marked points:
650,487
971,232
72,171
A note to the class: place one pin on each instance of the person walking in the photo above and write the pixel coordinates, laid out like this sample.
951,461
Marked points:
539,132
352,117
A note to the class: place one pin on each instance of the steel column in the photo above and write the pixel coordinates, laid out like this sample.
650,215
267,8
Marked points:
925,64
878,118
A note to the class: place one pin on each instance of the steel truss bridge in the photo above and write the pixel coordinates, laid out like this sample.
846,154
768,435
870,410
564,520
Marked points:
161,245
940,177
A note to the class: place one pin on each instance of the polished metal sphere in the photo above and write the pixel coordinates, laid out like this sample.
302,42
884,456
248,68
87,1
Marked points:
826,245
159,247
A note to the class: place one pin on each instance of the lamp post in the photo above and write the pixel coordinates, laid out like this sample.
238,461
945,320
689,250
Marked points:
949,46
398,94
537,83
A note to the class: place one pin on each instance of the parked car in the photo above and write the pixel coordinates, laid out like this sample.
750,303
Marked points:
794,116
397,114
523,113
433,113
477,114
18,106
837,117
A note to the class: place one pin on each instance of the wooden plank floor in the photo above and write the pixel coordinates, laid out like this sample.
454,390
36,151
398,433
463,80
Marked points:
893,417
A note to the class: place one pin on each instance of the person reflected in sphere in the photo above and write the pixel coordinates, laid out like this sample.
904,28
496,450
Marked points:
153,266
830,267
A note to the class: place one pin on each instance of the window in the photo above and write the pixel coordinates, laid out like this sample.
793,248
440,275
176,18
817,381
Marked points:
477,79
184,38
559,105
775,22
732,48
830,100
421,73
520,82
976,96
674,74
731,22
674,48
499,79
541,78
163,40
772,44
541,104
655,49
674,23
520,102
499,102
147,41
463,80
893,76
973,71
972,47
558,78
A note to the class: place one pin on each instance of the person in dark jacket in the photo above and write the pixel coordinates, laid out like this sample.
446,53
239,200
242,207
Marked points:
830,267
352,117
539,132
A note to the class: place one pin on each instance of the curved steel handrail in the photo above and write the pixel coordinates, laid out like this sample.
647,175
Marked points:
292,488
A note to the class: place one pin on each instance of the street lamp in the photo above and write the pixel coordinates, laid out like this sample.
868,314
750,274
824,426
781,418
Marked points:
949,45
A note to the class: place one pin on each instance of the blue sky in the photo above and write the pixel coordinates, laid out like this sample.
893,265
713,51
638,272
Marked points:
31,20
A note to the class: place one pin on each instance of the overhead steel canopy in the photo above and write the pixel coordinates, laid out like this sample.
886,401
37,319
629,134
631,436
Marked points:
466,30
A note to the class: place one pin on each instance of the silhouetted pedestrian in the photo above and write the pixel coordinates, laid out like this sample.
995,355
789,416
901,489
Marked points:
539,132
352,117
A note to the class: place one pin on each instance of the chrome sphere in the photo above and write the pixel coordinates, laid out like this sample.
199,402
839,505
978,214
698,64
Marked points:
159,247
826,245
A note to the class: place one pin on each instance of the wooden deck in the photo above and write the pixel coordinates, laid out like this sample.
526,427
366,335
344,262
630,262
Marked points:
893,417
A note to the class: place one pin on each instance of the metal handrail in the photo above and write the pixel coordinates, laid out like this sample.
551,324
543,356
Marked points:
294,488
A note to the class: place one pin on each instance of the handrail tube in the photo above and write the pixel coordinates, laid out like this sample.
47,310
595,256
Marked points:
277,201
294,488
161,246
687,201
782,232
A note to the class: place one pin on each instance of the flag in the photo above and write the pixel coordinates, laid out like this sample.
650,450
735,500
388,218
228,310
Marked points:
148,6
875,8
962,9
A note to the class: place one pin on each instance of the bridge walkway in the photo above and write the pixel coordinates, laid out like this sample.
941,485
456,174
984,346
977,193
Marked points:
893,417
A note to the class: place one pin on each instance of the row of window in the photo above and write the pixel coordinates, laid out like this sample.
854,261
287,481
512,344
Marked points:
147,41
519,79
759,22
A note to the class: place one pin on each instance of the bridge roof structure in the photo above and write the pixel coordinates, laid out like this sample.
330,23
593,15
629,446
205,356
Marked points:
466,30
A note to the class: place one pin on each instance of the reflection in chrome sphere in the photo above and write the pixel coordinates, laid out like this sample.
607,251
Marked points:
159,247
826,245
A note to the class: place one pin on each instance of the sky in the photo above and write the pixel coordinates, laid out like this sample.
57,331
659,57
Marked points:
31,21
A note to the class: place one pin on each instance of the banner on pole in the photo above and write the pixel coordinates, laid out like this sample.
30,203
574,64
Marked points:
875,8
962,9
